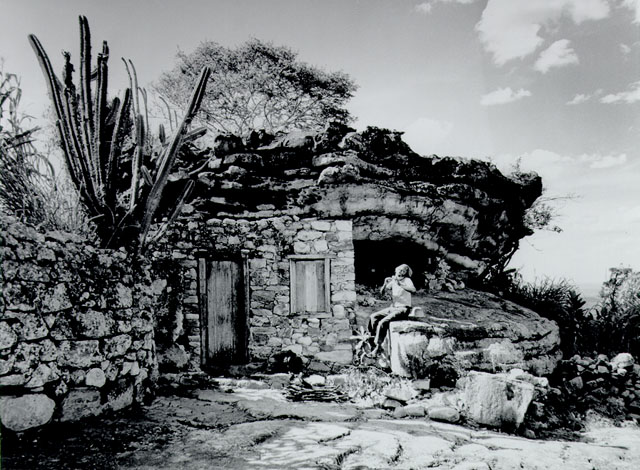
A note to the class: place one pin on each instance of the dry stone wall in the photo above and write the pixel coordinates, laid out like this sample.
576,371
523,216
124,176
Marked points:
76,328
268,242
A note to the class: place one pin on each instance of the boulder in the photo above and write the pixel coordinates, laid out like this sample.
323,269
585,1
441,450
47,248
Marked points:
473,330
496,399
26,412
444,413
622,361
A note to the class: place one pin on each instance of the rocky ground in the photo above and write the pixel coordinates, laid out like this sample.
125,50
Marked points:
246,424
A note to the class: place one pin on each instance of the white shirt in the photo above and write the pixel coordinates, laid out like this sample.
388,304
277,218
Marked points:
400,296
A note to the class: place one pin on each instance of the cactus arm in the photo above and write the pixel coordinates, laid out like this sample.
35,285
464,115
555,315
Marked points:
136,162
170,154
86,106
143,92
65,125
175,212
168,112
114,152
100,144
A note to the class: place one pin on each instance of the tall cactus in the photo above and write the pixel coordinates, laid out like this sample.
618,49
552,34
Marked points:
106,146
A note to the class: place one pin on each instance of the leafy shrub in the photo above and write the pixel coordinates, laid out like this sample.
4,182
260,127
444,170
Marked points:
615,323
559,301
29,187
611,327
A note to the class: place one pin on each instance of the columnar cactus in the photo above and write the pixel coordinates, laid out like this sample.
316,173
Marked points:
119,174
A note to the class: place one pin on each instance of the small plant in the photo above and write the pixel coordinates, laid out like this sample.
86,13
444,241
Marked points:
111,159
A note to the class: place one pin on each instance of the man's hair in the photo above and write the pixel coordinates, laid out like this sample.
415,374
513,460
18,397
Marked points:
406,270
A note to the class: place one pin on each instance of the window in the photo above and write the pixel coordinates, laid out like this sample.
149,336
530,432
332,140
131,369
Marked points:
310,291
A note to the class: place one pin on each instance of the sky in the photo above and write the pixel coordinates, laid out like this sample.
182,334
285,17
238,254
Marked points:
551,86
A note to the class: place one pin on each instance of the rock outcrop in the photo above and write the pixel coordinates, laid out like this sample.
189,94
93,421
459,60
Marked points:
471,330
465,210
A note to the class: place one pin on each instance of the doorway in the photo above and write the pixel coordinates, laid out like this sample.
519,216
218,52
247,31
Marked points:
223,299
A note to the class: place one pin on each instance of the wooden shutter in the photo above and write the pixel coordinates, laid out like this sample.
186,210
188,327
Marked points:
310,285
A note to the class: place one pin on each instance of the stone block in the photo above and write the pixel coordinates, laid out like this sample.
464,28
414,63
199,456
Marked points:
117,345
33,327
321,226
12,380
93,324
26,412
56,299
123,296
79,354
496,400
8,337
344,225
80,403
95,378
43,375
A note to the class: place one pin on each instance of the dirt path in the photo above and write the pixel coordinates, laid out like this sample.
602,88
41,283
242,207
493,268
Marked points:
250,428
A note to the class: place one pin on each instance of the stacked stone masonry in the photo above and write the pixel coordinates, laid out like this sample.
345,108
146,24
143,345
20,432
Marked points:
76,331
268,245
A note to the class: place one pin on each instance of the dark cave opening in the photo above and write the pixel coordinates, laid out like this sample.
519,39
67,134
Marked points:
377,259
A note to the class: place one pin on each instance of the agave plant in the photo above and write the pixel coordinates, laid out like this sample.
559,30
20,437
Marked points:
120,173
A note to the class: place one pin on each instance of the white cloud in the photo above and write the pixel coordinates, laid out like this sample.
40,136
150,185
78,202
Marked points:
424,8
634,6
427,136
503,96
597,161
511,30
630,96
625,49
558,54
579,98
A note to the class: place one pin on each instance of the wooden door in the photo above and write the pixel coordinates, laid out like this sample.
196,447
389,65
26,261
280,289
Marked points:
223,305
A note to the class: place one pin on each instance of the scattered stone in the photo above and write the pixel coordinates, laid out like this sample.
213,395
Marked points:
444,413
315,380
390,404
421,385
401,394
26,412
622,361
414,409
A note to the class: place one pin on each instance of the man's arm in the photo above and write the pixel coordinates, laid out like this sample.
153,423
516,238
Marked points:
407,285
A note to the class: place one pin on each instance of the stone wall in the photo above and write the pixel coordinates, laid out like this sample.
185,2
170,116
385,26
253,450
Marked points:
76,328
267,242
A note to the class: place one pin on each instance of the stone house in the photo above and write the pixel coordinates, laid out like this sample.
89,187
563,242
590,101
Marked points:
280,229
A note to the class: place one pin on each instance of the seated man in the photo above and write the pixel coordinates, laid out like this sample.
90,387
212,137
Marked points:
401,288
